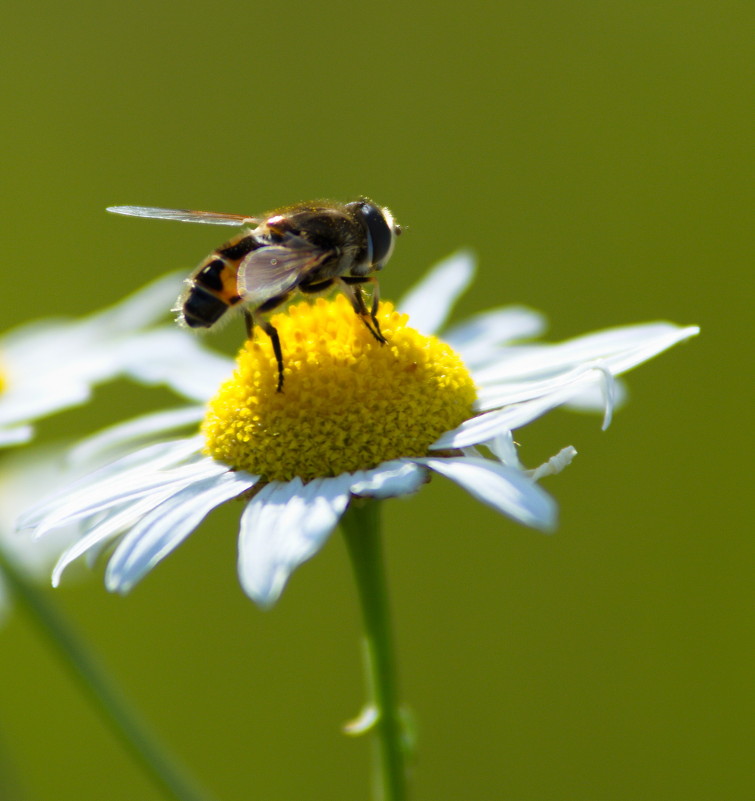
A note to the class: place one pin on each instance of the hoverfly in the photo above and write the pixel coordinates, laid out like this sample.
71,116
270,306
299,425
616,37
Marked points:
307,247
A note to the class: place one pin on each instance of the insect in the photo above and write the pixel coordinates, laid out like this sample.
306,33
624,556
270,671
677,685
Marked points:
307,247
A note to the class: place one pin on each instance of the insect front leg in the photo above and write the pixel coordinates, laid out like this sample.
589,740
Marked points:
354,291
271,331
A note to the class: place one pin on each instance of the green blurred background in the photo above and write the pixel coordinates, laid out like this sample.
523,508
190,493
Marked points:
595,154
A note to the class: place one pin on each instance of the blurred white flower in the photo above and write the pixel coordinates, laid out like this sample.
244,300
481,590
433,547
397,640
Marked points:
355,420
52,364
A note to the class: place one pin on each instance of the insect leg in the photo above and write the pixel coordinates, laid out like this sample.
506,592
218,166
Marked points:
270,330
375,305
356,296
249,323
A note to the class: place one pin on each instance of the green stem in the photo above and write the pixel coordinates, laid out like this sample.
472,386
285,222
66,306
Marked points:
361,528
106,697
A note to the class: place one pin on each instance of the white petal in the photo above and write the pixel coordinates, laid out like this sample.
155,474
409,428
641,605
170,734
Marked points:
621,349
113,523
157,456
32,350
35,401
388,480
504,488
480,338
138,310
124,488
485,427
593,399
31,336
147,425
504,449
618,348
652,346
15,436
153,458
506,393
283,526
165,527
429,302
177,359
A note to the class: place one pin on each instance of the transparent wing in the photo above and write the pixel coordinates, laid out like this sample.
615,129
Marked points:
185,215
275,269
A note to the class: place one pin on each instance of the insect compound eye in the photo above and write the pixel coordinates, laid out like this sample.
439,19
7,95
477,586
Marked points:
380,233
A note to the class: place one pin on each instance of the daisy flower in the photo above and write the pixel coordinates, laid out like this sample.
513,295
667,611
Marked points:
355,420
50,365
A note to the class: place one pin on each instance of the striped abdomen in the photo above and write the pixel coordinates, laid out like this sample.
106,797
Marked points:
213,288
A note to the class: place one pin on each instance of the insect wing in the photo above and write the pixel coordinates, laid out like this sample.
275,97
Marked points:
185,215
274,270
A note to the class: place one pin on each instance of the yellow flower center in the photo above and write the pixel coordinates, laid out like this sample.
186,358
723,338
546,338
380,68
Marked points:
348,402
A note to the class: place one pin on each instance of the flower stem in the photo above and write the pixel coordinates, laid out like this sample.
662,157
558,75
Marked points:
361,527
103,693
